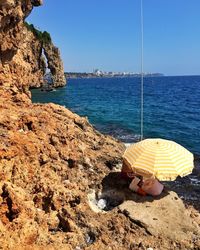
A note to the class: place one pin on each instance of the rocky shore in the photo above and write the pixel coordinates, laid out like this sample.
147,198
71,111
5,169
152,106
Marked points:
55,168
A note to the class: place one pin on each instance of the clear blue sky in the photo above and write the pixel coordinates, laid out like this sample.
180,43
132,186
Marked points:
106,34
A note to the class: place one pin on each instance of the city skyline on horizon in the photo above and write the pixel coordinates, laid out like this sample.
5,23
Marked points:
133,72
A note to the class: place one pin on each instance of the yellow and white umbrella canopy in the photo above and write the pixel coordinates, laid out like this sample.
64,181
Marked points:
159,158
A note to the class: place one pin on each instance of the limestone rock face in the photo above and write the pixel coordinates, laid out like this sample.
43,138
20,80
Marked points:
30,57
22,63
55,64
15,71
49,160
165,217
35,52
37,2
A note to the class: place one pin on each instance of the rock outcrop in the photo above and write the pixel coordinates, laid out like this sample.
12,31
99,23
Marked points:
15,71
21,54
51,160
30,56
55,64
163,217
43,54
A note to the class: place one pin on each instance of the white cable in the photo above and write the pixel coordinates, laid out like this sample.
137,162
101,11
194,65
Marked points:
142,71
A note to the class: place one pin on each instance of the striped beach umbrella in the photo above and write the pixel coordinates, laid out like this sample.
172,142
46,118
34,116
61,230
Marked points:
159,158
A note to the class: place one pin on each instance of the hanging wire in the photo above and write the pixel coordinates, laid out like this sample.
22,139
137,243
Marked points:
142,72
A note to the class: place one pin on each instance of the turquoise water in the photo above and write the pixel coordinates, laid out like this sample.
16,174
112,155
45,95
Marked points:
171,106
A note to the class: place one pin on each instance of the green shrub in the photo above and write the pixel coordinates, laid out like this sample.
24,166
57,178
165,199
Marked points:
46,37
43,37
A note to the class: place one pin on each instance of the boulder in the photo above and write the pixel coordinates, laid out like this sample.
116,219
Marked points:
165,216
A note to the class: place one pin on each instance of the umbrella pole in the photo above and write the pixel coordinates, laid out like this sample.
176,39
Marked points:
142,72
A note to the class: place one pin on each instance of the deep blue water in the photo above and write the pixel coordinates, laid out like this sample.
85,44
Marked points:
171,106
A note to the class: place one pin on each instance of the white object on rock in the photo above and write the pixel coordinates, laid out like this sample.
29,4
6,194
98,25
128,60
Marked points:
80,167
101,204
88,162
66,182
134,184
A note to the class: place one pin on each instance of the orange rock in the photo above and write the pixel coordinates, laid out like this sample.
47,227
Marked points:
50,159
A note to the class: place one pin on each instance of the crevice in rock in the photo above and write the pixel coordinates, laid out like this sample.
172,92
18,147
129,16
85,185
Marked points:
136,222
29,125
90,238
76,201
111,163
79,124
63,224
47,204
7,55
71,163
12,213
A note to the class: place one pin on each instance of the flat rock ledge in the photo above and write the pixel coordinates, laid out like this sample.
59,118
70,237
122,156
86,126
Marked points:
166,216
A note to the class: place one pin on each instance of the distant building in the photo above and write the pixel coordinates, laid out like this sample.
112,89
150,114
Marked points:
98,72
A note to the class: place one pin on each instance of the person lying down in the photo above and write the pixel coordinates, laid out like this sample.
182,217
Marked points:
139,184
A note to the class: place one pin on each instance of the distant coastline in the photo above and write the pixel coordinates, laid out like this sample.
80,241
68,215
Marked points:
101,74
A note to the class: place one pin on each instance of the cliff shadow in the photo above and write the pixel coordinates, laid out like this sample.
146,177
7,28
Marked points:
7,56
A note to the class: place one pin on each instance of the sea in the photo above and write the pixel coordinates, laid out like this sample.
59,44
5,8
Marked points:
113,106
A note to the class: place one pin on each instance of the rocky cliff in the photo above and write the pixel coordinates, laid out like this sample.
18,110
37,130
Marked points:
55,65
42,55
14,71
57,171
50,159
22,62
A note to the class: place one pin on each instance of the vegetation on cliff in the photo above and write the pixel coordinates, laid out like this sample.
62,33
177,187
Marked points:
43,37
